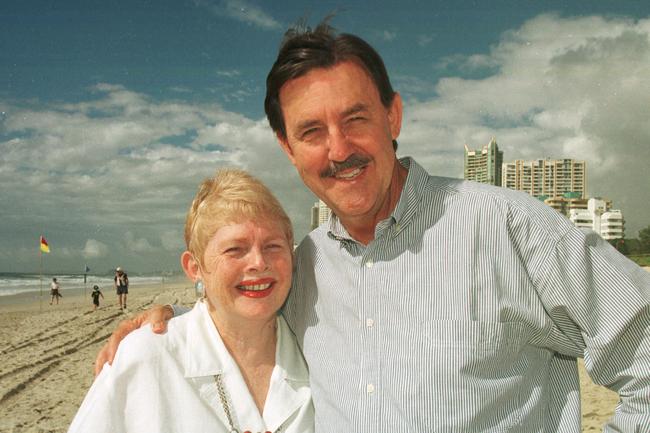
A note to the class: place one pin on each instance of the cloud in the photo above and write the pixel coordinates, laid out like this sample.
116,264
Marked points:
243,11
94,249
135,245
172,240
464,64
388,36
558,88
228,73
424,40
117,171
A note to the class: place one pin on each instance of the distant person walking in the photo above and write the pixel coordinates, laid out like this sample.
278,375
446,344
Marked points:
121,286
96,294
55,291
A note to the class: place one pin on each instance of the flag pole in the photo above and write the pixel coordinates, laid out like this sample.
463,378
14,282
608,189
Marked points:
40,302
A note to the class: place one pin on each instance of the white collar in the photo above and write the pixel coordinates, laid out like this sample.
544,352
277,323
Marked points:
206,355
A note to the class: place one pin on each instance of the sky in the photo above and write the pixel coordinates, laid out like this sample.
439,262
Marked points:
113,111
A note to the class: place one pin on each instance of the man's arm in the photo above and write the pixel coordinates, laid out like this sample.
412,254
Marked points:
158,315
601,301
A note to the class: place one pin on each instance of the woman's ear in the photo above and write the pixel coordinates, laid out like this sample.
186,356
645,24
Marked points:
190,266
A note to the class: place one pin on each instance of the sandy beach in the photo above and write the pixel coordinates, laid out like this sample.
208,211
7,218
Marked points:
47,354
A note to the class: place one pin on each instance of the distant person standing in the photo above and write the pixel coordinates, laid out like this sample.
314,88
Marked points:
96,294
55,291
122,286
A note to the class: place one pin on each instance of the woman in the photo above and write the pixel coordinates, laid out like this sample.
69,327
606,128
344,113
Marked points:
231,364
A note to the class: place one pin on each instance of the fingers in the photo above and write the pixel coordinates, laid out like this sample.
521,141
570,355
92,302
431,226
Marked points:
102,358
158,317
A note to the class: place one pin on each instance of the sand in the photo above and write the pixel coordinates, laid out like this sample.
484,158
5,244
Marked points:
46,357
47,354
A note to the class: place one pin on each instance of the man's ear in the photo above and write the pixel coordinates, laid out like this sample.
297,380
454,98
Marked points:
284,144
395,116
190,266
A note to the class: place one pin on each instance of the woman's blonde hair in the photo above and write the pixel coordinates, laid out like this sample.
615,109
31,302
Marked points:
230,196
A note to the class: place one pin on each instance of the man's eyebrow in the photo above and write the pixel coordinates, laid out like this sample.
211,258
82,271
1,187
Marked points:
306,124
356,108
310,123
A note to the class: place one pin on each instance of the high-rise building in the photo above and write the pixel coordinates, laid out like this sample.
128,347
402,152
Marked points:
566,202
314,217
320,213
484,165
546,178
599,217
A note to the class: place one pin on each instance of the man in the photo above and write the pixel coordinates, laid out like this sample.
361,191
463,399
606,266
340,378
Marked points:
121,282
55,291
433,304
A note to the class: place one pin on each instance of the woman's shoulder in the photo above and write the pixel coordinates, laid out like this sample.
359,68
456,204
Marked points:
143,345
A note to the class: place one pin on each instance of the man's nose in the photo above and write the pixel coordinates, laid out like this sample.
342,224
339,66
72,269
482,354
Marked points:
339,146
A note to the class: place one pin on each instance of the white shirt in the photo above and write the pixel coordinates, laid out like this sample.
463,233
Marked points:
165,383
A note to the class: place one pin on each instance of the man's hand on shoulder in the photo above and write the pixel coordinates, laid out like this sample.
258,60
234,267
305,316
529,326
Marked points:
157,316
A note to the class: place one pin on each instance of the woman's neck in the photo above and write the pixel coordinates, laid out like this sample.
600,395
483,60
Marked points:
251,341
252,346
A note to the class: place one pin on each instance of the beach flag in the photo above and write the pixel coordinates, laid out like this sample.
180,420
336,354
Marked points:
45,248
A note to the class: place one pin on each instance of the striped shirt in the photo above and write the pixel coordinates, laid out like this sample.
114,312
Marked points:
466,313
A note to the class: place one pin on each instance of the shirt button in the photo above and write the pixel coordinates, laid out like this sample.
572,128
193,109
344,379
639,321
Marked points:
369,264
370,323
370,388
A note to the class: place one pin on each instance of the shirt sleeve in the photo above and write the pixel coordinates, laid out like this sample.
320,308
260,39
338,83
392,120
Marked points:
126,396
179,310
601,301
98,412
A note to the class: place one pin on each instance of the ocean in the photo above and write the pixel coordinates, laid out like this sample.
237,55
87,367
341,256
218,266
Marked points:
16,283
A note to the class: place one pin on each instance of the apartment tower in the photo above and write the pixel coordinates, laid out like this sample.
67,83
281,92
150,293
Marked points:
484,165
547,178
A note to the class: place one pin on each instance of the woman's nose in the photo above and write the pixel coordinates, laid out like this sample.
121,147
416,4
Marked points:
256,260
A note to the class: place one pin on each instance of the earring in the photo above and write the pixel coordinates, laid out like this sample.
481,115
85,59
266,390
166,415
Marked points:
199,289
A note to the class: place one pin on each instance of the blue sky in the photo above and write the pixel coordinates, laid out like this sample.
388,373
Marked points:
111,112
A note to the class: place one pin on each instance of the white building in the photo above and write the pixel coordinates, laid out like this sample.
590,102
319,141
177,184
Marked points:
546,177
598,216
484,165
320,213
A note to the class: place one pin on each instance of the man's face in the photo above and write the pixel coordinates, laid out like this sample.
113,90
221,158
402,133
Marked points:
335,115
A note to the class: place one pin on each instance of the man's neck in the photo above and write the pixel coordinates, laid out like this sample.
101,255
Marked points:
362,228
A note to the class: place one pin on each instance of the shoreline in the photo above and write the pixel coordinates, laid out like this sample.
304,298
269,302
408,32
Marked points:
29,300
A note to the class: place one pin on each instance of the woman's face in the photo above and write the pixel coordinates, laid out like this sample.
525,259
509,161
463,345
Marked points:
247,271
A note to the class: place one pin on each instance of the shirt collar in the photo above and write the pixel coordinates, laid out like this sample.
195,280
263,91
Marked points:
208,356
406,208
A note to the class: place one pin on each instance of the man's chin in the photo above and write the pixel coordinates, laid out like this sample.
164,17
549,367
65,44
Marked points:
352,208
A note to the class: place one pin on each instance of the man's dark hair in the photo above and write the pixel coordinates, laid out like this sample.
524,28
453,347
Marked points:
304,49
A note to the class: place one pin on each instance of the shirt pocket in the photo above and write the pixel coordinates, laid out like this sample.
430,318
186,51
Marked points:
474,376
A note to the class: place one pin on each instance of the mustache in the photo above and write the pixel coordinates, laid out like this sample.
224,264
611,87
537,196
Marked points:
353,161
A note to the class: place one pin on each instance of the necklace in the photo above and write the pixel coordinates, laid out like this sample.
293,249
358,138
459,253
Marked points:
226,407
